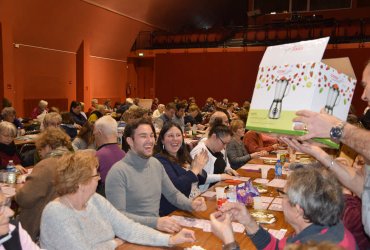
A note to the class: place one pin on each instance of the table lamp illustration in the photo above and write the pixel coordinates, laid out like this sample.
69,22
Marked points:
332,99
281,88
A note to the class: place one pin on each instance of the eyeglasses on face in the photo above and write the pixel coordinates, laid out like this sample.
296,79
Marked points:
96,175
222,141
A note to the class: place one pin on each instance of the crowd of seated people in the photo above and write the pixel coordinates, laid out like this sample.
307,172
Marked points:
87,183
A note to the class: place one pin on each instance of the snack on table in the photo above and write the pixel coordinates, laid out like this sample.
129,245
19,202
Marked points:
269,161
263,217
261,189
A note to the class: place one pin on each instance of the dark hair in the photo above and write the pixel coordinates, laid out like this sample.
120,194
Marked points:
86,133
170,105
74,104
67,118
131,128
180,105
219,129
183,155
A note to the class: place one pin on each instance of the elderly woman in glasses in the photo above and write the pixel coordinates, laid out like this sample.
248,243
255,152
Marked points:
12,235
8,150
78,217
39,187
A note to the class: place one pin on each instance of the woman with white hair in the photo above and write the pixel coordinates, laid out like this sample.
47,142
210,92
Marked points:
8,114
159,111
8,150
42,108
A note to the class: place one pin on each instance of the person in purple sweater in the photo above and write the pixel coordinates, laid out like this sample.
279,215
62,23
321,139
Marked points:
108,151
184,172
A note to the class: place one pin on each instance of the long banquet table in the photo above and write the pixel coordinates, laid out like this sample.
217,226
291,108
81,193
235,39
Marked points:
206,239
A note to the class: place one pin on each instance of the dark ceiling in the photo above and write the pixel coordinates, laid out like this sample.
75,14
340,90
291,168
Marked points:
110,26
178,15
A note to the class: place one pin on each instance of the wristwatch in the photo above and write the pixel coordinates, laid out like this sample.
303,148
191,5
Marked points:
336,132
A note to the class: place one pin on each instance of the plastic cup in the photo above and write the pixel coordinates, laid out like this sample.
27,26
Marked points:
264,171
220,193
278,155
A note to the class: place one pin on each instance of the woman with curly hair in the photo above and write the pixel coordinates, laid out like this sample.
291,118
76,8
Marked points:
39,189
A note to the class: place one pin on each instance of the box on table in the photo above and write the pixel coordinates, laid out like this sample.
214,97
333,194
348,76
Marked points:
293,77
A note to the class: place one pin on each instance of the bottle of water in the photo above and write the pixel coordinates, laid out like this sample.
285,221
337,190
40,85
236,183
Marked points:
19,132
278,169
10,168
194,129
231,194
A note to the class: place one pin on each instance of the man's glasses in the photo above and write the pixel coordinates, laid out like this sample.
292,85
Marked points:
222,141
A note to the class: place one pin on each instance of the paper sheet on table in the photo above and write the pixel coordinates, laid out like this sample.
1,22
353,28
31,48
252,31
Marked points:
205,225
266,199
241,178
267,158
276,207
237,227
278,201
8,191
279,183
278,234
260,180
261,206
256,167
208,194
184,221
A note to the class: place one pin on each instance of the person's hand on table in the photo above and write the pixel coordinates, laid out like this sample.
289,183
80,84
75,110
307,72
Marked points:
226,177
200,160
199,204
231,171
238,212
185,235
21,169
259,154
316,124
275,146
167,224
221,227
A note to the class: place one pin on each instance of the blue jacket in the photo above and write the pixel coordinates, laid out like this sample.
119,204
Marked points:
181,178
